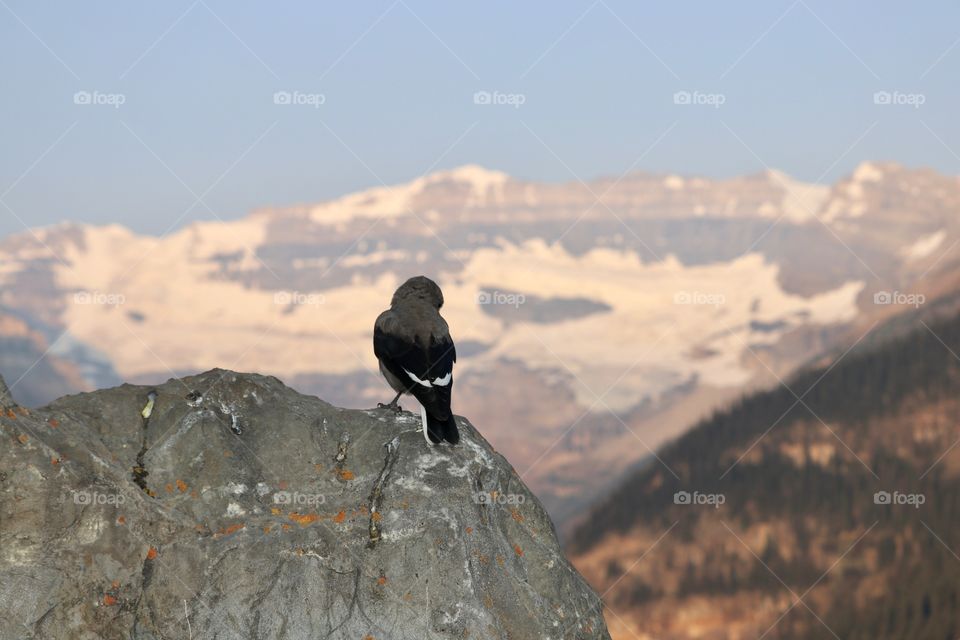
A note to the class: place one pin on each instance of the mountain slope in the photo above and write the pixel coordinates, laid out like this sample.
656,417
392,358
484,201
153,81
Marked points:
849,499
628,308
36,369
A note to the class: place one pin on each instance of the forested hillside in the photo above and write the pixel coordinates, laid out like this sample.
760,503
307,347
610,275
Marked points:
841,490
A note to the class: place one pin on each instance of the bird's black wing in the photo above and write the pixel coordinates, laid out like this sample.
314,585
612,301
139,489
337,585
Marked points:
400,356
436,397
424,365
443,353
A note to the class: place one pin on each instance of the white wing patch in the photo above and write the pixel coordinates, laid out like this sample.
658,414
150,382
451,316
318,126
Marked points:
439,382
425,383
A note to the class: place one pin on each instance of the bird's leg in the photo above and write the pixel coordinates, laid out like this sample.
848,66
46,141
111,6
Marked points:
393,404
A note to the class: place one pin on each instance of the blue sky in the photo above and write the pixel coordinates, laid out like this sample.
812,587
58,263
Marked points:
596,80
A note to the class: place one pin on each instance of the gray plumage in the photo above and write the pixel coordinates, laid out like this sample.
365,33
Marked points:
416,354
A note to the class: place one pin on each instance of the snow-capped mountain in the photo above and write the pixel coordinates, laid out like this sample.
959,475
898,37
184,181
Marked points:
604,316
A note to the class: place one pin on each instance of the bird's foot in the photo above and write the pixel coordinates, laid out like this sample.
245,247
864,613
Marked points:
393,406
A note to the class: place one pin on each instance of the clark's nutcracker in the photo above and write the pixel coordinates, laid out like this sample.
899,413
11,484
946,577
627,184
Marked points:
416,354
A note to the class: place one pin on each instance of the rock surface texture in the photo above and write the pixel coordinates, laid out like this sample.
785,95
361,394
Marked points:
230,506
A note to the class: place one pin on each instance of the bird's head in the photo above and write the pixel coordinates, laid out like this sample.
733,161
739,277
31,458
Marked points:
419,288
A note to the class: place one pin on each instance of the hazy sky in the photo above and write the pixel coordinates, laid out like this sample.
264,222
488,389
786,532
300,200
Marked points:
587,89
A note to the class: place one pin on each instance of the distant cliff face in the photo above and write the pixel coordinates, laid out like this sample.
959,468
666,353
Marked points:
230,506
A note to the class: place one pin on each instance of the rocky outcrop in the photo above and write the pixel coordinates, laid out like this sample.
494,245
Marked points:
227,506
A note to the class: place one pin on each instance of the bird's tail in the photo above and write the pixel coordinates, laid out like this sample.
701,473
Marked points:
436,431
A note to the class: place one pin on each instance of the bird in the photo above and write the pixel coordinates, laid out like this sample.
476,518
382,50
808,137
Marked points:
416,354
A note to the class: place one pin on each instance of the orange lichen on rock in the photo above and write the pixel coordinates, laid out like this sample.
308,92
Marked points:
231,529
152,553
516,515
469,530
169,488
285,527
11,414
53,422
181,485
275,511
304,519
517,550
340,517
376,516
345,474
23,438
109,600
121,520
382,580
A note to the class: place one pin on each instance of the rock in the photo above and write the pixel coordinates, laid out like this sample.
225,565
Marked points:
234,507
6,398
